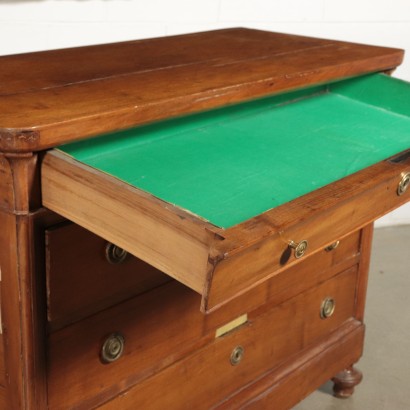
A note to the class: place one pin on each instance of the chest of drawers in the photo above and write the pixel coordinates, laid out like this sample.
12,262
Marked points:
186,222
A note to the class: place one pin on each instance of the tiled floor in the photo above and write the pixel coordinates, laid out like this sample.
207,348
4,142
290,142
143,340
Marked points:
386,360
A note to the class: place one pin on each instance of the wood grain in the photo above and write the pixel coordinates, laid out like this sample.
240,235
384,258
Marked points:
22,323
219,264
21,297
49,69
287,284
172,242
321,217
53,97
80,280
364,266
76,93
75,350
6,185
287,385
2,365
22,183
4,404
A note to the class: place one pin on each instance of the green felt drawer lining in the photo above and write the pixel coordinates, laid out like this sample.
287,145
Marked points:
232,164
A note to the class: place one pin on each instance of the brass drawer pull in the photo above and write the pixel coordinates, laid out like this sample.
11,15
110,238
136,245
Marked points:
237,355
403,184
114,254
112,348
332,246
299,248
328,308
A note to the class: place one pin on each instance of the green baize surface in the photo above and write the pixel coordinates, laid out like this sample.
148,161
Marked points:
231,164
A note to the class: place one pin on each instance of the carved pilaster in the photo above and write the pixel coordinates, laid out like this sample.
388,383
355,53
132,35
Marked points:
21,302
25,182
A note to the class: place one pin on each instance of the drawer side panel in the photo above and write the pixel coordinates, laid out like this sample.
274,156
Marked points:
169,242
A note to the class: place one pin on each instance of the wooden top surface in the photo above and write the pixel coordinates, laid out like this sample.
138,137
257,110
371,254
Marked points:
53,97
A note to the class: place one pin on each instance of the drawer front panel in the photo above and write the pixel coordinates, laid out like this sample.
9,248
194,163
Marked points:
367,198
278,389
158,332
82,282
80,279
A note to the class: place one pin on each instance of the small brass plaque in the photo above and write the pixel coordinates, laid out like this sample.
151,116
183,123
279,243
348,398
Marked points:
223,330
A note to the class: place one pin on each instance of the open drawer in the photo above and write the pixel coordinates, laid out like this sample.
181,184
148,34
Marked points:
218,200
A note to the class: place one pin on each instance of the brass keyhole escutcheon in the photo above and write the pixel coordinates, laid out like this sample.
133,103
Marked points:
403,184
328,308
237,355
112,348
114,254
299,248
332,246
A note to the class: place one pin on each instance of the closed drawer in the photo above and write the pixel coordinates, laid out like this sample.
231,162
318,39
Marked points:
280,388
218,202
81,281
82,278
164,326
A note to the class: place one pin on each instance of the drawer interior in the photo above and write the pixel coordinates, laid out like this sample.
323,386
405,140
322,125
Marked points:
259,155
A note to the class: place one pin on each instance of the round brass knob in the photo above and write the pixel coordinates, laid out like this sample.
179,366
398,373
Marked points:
328,308
299,248
403,184
332,246
114,254
237,355
112,348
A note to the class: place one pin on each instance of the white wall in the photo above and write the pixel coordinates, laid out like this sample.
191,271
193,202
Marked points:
30,25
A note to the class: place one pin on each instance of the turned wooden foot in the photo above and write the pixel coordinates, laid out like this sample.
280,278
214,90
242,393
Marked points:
345,382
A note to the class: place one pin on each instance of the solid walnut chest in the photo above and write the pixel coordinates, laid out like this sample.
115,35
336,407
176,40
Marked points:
186,222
